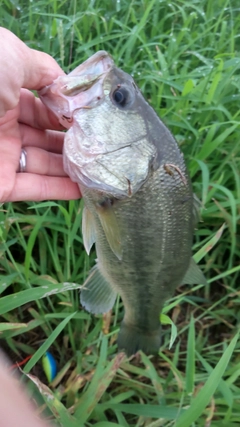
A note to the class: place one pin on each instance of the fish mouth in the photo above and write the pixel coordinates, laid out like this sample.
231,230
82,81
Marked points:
82,87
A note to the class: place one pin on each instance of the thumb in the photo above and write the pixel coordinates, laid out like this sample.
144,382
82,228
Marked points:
40,69
22,67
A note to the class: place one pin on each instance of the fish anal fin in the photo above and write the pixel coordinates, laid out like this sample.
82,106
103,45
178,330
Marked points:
88,229
110,226
193,275
97,296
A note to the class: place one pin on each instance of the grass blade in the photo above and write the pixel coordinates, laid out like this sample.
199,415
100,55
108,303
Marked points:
101,380
190,368
203,398
11,302
49,341
153,411
54,404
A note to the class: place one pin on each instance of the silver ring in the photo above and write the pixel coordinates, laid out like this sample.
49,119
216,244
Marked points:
23,161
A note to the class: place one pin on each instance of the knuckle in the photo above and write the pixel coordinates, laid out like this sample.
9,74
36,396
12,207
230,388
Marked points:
6,191
10,101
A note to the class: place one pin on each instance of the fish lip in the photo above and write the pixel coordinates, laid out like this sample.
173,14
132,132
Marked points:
91,70
72,89
102,59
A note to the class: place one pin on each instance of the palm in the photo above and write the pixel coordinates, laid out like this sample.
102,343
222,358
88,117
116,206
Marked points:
29,125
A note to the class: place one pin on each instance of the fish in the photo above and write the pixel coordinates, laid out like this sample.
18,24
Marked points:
139,207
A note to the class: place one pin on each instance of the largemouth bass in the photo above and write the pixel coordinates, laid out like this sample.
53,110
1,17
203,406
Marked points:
139,205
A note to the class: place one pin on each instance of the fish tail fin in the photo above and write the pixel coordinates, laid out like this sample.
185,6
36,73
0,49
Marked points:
132,339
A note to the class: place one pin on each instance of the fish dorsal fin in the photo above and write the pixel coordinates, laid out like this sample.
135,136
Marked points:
110,225
193,275
96,295
88,229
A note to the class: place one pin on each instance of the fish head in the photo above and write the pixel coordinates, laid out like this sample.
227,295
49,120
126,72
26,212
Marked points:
109,144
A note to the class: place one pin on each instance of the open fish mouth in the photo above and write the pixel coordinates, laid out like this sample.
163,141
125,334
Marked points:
82,87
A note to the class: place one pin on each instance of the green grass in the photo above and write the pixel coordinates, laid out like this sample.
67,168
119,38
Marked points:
185,57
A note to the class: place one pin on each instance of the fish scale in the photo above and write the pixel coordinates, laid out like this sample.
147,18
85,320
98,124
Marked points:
140,246
139,207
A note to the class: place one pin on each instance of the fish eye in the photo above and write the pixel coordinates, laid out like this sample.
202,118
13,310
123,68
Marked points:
120,96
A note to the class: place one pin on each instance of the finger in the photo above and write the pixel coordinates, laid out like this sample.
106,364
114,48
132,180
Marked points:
42,162
21,413
10,150
34,69
40,69
31,187
48,140
34,113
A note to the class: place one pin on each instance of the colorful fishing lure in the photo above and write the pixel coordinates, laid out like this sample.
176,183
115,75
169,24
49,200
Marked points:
49,366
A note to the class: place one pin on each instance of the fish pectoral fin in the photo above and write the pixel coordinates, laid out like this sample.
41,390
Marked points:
193,275
110,226
88,229
97,296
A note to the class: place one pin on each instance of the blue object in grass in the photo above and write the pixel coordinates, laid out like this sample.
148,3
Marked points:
49,366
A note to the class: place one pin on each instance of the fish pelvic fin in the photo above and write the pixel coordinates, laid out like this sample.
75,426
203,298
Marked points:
97,296
131,339
110,226
193,275
88,229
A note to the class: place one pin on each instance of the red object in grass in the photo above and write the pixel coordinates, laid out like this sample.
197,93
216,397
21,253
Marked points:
17,364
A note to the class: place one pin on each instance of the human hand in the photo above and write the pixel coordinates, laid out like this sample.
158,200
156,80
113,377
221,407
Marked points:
26,123
15,408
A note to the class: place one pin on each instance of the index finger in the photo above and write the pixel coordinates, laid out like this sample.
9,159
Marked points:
33,187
